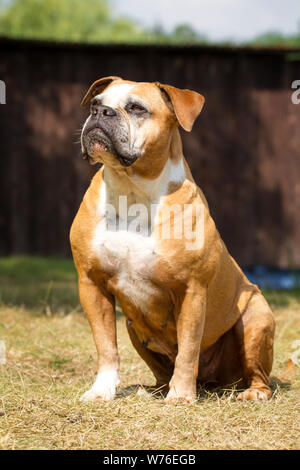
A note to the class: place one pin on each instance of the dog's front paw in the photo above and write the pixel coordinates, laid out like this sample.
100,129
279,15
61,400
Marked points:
175,396
93,394
104,387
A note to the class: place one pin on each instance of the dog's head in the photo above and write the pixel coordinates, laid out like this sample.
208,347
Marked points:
131,121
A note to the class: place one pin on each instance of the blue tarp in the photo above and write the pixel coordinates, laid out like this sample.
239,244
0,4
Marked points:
273,278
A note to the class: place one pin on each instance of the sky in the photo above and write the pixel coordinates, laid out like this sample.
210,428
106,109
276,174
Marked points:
237,20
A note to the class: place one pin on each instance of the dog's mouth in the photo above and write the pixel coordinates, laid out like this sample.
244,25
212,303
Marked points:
96,141
126,161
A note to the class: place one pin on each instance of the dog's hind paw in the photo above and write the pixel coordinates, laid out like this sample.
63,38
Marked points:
254,394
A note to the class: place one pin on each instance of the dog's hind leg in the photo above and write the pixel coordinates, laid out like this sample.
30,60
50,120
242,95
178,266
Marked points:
255,334
160,365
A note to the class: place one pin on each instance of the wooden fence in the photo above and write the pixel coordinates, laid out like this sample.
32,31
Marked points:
244,150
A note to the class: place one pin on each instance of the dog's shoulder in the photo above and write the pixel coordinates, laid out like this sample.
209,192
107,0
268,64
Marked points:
86,218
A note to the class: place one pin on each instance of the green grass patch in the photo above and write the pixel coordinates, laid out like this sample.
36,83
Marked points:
282,298
46,285
34,268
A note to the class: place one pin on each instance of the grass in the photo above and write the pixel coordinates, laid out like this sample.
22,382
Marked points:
39,284
51,361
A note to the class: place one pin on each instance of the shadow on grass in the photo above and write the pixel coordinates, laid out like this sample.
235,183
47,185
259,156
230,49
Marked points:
142,390
203,392
278,384
209,391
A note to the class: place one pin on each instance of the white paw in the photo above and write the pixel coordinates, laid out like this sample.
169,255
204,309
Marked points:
104,387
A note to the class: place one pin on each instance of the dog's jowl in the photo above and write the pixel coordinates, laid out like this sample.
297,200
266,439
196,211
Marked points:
144,236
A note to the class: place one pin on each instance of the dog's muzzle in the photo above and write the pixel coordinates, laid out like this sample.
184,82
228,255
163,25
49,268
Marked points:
106,131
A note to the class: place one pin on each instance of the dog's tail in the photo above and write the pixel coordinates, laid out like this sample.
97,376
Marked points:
288,375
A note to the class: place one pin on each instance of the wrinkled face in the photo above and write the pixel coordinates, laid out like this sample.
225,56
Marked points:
128,121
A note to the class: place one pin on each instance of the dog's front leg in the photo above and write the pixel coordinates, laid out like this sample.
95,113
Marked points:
99,308
190,325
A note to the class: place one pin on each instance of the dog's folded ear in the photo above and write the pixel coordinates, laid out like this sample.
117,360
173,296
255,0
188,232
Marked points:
97,87
187,104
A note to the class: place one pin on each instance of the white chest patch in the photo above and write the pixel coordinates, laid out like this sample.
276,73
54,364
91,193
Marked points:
127,254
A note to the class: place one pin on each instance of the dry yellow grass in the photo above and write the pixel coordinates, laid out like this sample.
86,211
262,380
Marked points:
51,361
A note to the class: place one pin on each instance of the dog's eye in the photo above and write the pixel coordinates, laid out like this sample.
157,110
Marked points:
135,108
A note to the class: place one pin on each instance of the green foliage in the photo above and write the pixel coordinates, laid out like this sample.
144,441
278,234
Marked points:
185,33
66,20
94,21
76,20
181,34
274,38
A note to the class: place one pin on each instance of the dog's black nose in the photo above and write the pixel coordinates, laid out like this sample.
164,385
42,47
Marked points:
102,111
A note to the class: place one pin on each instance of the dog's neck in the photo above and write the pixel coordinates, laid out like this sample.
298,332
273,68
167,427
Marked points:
143,189
139,189
132,196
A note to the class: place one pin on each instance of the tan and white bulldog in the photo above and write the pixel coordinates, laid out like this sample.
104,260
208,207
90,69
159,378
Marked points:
191,313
